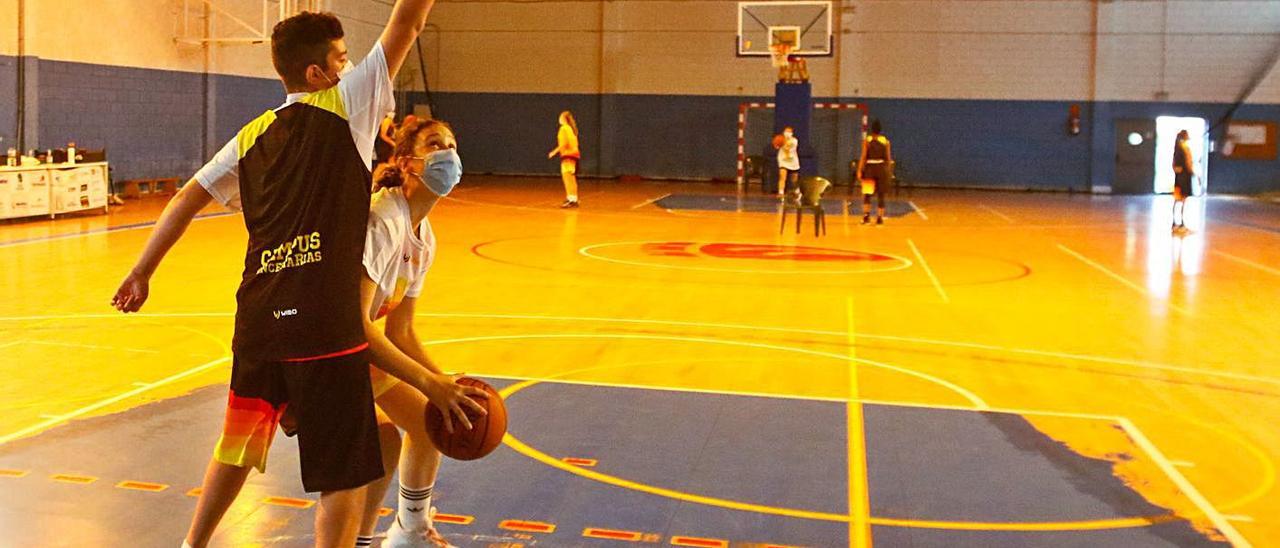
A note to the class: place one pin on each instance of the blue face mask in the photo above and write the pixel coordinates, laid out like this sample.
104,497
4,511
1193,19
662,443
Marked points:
442,172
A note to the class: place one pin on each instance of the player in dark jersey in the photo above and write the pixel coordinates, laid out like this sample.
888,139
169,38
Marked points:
874,170
301,174
1183,171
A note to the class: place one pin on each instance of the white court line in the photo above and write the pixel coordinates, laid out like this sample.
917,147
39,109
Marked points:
792,397
977,401
649,201
936,284
1121,279
1247,262
59,419
108,230
1237,540
993,211
93,347
795,330
918,210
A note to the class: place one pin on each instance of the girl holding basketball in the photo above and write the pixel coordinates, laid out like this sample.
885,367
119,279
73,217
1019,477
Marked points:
874,171
567,148
399,249
788,160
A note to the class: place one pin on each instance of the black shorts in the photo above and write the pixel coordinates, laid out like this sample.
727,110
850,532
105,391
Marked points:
1182,181
331,399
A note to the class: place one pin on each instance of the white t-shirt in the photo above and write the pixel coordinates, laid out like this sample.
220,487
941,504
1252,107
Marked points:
396,257
787,155
367,95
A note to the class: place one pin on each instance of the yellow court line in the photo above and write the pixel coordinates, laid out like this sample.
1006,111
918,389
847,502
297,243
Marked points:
1083,525
859,489
936,284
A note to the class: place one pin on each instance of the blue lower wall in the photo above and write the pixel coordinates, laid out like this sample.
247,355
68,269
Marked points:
238,100
158,123
153,123
150,121
8,102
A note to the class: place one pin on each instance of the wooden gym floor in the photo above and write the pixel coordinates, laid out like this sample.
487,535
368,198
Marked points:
986,369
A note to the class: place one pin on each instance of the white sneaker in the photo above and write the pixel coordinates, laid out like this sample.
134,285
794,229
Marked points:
399,537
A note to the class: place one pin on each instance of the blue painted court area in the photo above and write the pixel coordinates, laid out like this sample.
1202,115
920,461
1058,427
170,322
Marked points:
666,464
834,204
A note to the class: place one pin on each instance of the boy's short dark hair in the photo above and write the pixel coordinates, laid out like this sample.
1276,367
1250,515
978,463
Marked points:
301,41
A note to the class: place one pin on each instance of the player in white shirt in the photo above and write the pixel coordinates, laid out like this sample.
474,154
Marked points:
399,249
788,160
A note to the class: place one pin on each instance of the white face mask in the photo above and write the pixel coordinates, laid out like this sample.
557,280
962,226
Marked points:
345,70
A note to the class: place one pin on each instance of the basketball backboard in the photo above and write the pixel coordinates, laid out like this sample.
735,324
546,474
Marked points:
806,25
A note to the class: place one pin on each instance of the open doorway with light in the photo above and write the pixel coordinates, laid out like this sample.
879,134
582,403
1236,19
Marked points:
1167,128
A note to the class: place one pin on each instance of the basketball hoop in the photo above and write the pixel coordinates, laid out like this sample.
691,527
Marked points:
779,53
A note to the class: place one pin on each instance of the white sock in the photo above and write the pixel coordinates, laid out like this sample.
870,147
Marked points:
186,544
573,197
415,507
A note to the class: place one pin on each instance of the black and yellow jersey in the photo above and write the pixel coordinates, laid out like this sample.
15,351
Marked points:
304,190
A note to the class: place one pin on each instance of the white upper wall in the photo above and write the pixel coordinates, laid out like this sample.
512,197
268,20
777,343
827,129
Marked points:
1191,50
141,33
955,49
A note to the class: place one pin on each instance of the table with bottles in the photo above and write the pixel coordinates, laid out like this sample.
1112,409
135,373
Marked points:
52,189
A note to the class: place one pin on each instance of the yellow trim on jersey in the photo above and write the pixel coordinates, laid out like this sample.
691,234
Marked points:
250,132
329,99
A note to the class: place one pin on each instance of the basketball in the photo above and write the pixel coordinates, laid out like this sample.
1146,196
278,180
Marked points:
779,140
486,432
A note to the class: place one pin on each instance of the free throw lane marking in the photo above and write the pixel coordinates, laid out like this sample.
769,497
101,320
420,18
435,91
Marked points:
611,534
72,478
142,486
289,502
527,526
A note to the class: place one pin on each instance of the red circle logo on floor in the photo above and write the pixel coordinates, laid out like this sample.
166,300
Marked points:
760,252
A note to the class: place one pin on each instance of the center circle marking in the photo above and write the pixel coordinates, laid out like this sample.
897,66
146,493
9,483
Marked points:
808,259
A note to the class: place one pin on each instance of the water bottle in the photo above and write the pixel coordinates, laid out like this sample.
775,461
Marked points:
71,152
12,159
